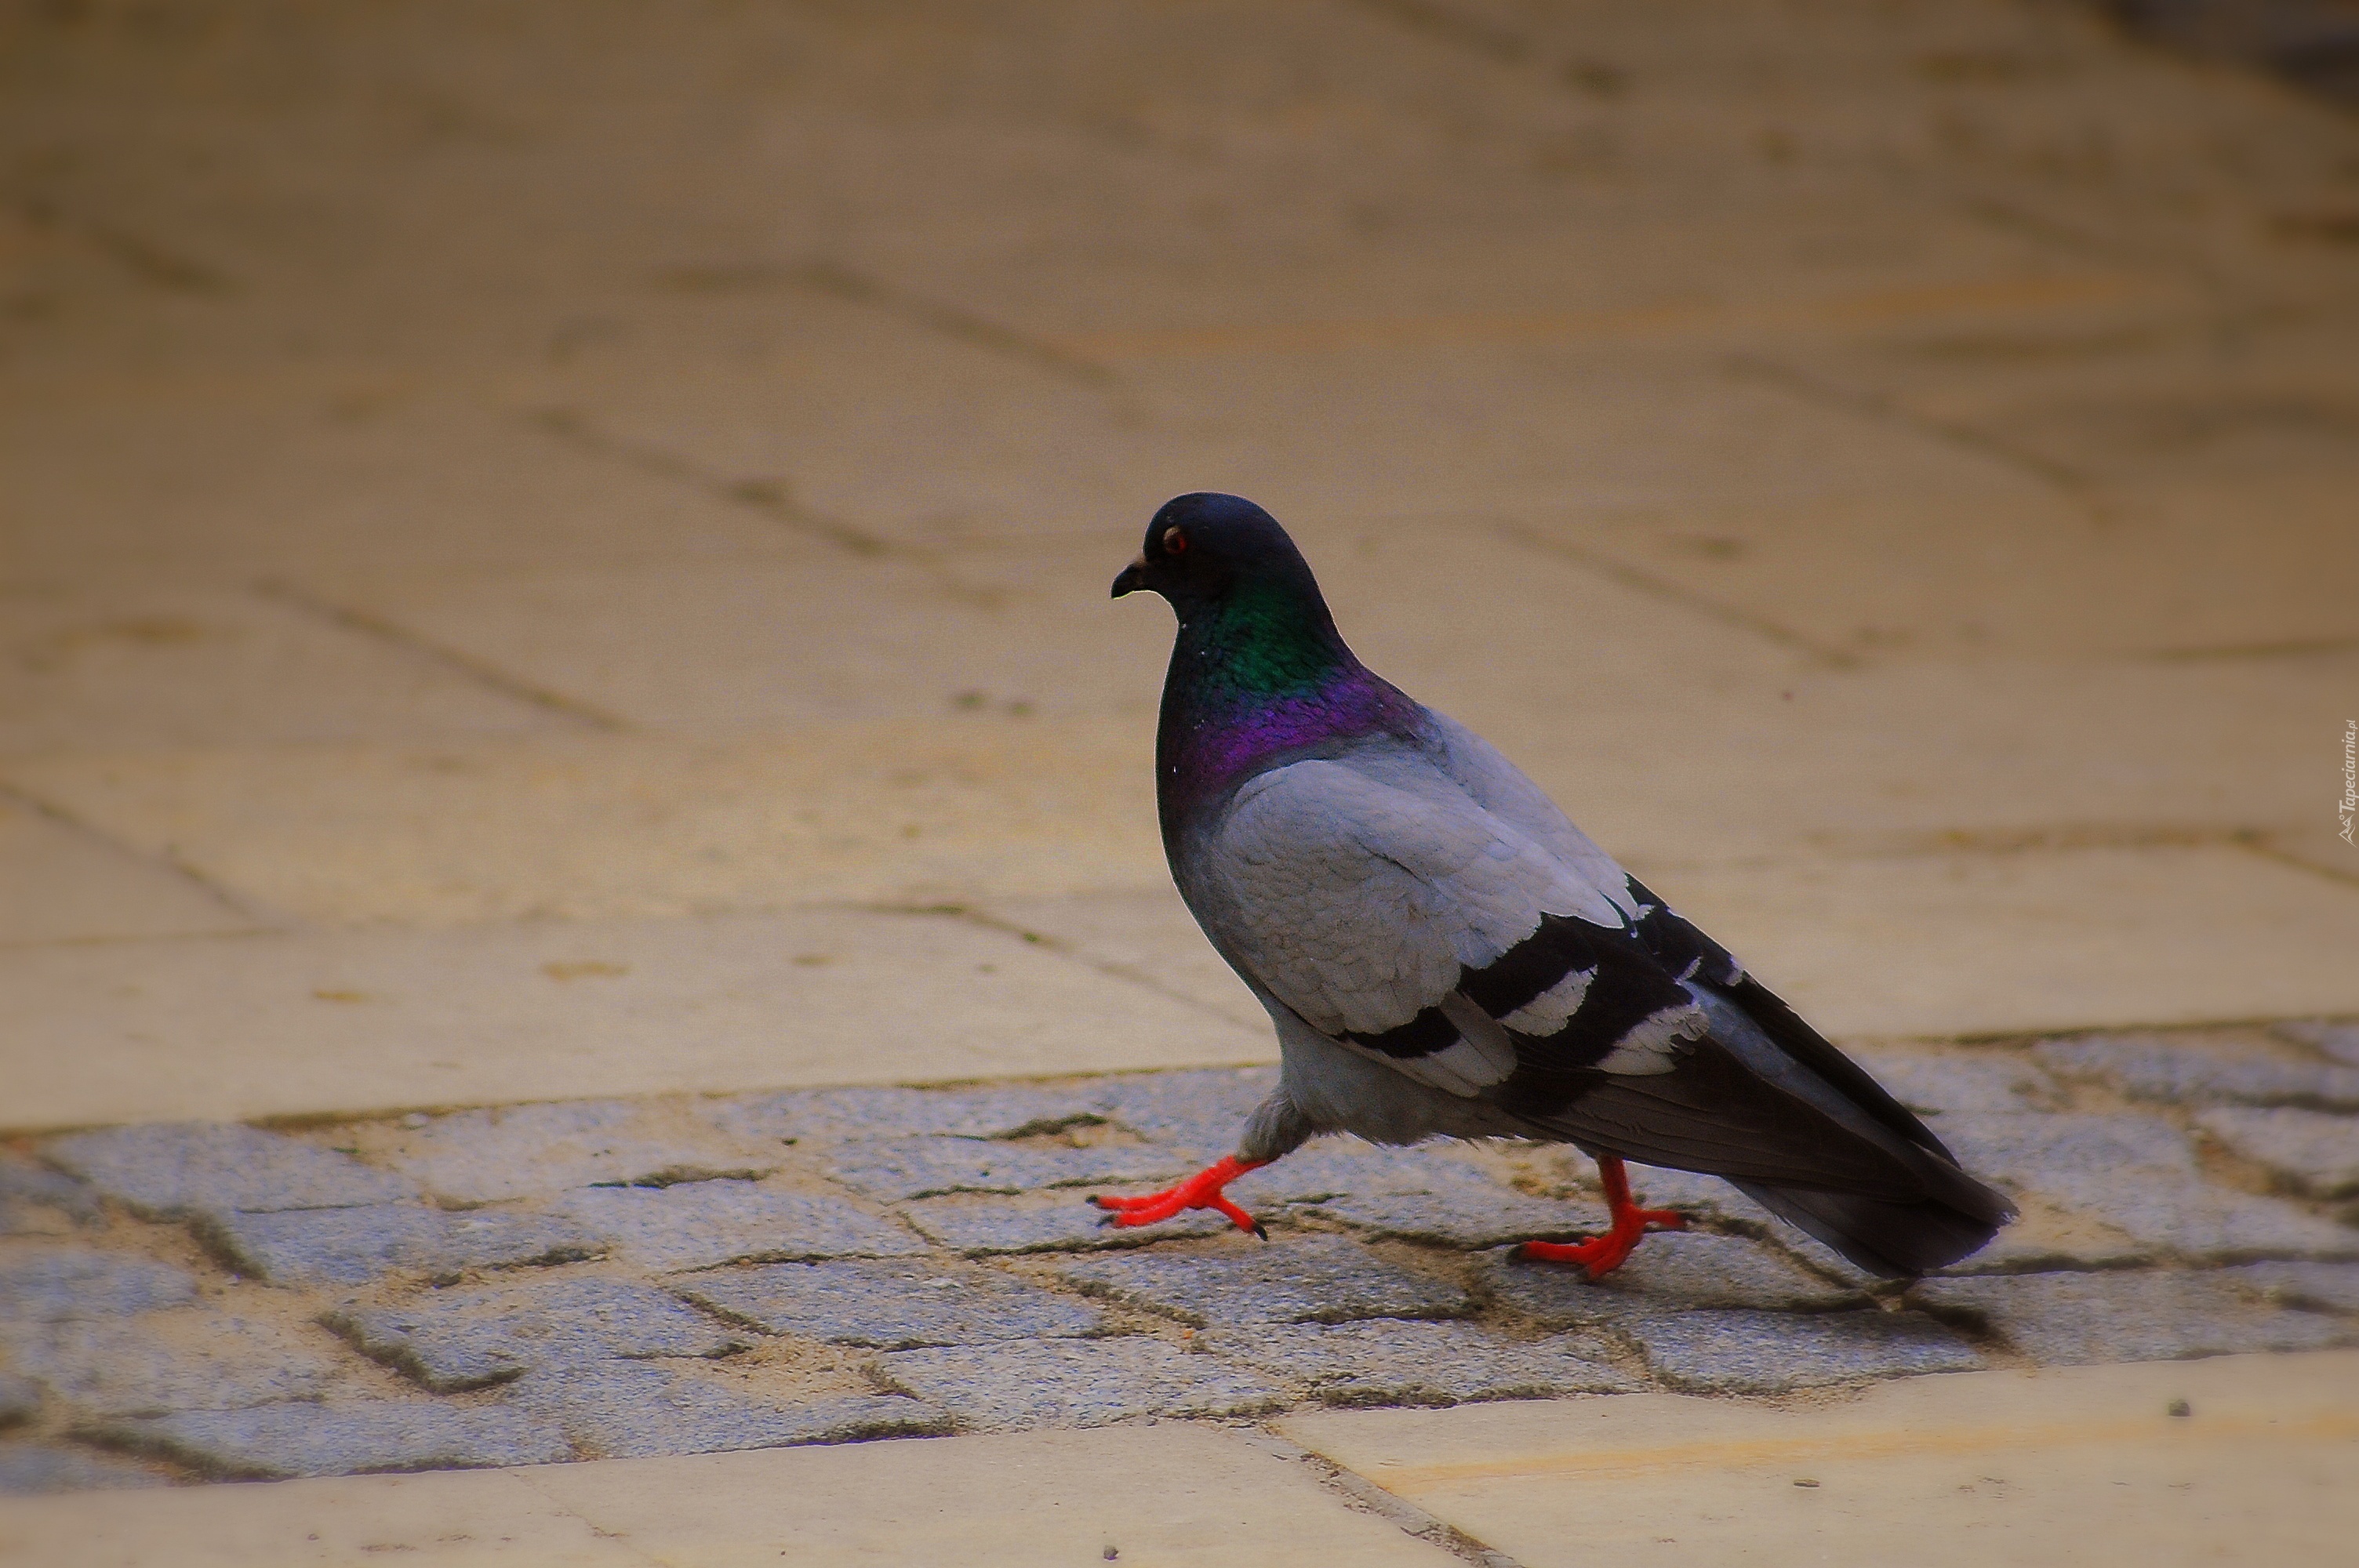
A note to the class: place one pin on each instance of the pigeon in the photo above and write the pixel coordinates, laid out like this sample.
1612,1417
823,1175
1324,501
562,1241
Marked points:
1444,954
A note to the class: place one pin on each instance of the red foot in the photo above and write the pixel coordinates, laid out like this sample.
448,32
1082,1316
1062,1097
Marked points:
1202,1190
1601,1255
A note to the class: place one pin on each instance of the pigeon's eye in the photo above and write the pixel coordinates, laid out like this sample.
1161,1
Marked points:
1175,543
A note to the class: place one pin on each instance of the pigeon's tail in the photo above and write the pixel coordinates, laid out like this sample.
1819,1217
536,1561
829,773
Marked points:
1765,1103
1897,1240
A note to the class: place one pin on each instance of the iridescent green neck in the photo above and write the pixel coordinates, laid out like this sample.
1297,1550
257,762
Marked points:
1262,640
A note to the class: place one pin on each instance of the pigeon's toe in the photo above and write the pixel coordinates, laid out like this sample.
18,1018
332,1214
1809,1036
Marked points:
1202,1190
1601,1255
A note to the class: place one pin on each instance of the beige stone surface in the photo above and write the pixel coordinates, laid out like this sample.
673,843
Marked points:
459,1518
1885,470
1165,1494
2085,1464
281,1025
59,882
904,811
163,667
2032,940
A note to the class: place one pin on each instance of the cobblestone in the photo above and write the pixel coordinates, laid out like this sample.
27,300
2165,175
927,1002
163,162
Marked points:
2142,1316
700,1225
997,1112
894,1169
2319,1152
466,1339
2138,1175
27,1189
1686,1269
271,1442
178,1170
1019,1384
890,1305
1773,1353
1466,1219
186,1360
57,1283
534,1151
1391,1362
2317,1287
630,1410
20,1400
354,1246
35,1469
2148,1069
1347,1167
1199,1113
2339,1040
988,1229
1311,1279
1937,1083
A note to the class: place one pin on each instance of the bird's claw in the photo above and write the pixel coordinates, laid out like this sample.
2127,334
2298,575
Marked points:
1601,1255
1202,1190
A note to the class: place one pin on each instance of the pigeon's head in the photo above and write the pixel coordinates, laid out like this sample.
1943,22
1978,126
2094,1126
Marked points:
1203,547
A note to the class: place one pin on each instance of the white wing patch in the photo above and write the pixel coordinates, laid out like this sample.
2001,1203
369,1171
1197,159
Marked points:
1553,1008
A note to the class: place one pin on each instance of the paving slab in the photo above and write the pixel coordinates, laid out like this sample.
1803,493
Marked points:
1148,935
91,890
20,1400
528,1150
890,1305
186,1360
629,1411
154,667
2317,1152
354,1246
1962,1469
1391,1362
177,1170
53,1285
397,1020
894,1169
986,1227
1022,1383
697,1225
1013,1499
2177,1073
464,1339
1308,1279
2131,1315
1675,1269
2088,937
272,1441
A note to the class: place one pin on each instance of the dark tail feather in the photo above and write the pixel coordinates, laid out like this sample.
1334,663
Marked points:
1897,1240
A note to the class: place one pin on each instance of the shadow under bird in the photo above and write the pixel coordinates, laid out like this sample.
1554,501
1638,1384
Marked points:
1444,954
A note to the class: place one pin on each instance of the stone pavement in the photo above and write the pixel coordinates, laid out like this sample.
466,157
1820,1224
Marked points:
553,638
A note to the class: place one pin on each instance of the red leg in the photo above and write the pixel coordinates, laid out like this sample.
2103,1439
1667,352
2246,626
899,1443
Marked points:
1202,1190
1601,1255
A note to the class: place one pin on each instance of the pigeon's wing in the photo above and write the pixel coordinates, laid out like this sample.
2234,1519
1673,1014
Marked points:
1397,914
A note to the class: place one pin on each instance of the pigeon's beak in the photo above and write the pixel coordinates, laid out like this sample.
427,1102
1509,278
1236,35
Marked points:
1133,578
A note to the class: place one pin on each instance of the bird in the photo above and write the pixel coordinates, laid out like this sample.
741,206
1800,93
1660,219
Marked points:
1444,954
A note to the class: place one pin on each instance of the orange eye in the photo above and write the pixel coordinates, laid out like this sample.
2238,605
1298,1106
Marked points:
1175,543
